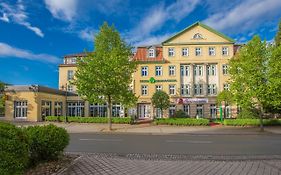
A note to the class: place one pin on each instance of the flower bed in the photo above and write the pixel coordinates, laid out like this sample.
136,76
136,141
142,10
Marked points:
182,121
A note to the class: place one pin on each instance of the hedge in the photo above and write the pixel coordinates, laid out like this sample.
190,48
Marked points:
46,142
125,120
14,149
183,121
251,122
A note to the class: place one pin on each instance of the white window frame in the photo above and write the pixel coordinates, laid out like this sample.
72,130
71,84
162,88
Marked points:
172,89
158,87
172,70
158,71
212,89
70,74
198,51
226,86
70,88
198,89
198,70
213,110
185,70
185,52
200,107
185,89
186,109
144,71
212,69
225,69
171,52
225,51
212,51
144,90
151,53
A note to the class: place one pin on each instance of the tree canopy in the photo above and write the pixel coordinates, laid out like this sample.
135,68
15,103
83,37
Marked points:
278,36
160,99
105,75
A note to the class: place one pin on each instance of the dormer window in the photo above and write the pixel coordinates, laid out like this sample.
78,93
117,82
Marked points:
151,53
197,36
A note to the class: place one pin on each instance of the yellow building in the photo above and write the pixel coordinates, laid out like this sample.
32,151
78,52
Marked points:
191,66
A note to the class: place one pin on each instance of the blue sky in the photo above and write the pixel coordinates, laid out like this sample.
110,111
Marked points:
36,34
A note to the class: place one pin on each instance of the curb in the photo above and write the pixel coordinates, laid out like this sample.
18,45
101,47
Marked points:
63,170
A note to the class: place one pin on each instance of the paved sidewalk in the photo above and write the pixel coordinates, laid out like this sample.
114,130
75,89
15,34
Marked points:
116,165
155,129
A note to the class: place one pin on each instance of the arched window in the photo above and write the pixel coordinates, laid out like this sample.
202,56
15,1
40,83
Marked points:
197,36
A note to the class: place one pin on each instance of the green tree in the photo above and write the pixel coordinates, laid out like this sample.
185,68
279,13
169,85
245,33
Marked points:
160,100
225,96
278,36
104,76
274,79
248,70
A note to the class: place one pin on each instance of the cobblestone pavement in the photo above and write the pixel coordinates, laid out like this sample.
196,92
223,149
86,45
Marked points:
170,165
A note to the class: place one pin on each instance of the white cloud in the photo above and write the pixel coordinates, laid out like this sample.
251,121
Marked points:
152,40
9,51
87,34
62,9
4,18
156,17
245,16
18,15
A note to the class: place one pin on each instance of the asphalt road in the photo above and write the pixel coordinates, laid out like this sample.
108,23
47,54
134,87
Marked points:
266,144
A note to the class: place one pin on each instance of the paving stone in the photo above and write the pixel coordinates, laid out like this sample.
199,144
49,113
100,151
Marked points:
103,164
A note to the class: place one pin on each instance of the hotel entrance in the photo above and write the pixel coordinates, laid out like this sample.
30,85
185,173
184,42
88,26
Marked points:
144,111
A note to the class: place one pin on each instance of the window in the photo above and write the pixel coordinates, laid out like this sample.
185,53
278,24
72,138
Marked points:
198,70
226,86
98,110
212,89
20,109
69,88
185,89
184,52
171,52
151,53
144,71
185,70
198,89
75,109
144,90
46,108
227,111
211,70
172,110
225,69
213,111
197,36
186,109
58,108
212,51
172,89
158,70
158,87
172,70
198,51
199,111
70,74
224,51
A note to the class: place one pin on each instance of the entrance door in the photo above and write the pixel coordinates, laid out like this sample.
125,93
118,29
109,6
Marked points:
144,111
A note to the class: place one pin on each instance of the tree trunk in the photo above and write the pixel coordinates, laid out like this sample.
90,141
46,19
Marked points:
109,112
261,120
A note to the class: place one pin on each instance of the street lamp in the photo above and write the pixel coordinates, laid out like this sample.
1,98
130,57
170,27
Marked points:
65,89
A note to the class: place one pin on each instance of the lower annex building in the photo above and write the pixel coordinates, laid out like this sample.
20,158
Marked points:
191,66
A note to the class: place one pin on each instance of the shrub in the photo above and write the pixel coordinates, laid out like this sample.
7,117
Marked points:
251,122
13,149
248,114
125,120
46,142
182,121
180,114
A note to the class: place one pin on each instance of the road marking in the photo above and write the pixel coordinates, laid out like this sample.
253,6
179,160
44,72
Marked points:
189,141
102,140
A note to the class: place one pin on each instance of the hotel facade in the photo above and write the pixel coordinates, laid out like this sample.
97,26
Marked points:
191,67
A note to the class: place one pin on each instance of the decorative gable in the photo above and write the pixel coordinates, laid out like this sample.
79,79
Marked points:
198,33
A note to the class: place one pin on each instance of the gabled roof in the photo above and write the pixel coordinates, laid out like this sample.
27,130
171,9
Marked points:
204,26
